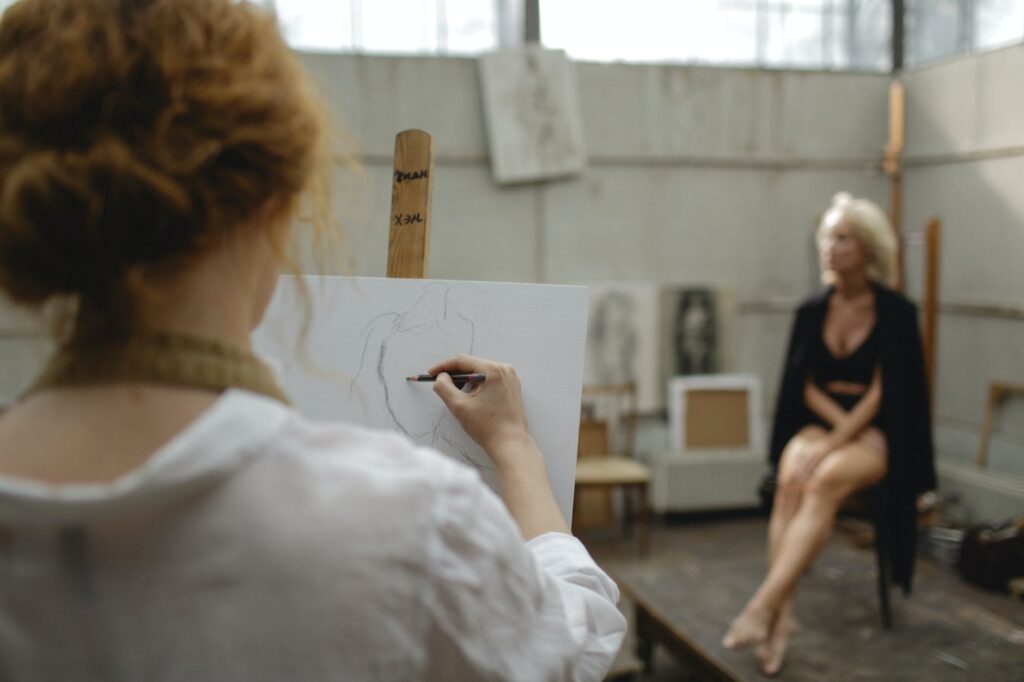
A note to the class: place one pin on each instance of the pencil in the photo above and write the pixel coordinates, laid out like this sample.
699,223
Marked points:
456,378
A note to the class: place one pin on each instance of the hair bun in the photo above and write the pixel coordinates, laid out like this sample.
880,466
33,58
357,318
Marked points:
73,222
841,199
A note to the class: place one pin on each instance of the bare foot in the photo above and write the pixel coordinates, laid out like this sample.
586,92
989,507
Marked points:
751,627
772,653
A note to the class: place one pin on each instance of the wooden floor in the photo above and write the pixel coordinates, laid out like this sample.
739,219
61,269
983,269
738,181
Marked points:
700,573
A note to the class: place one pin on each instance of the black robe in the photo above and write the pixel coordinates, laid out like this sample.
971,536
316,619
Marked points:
904,416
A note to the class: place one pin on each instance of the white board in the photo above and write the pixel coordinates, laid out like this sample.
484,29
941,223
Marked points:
367,334
534,121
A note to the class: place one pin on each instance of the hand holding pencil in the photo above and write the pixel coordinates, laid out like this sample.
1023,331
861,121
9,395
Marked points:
492,412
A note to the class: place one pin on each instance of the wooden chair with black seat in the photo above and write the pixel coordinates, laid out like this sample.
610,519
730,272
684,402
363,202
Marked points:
605,462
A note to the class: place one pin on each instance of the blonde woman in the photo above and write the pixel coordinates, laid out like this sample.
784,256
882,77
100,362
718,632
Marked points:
852,412
164,513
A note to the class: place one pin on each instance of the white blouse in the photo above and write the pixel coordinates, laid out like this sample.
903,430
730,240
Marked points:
259,545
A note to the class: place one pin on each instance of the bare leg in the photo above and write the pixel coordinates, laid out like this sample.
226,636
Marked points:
841,473
789,494
772,652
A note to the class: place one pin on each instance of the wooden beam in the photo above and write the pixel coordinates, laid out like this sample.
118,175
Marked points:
893,167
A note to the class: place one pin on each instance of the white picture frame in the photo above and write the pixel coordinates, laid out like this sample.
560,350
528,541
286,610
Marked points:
681,386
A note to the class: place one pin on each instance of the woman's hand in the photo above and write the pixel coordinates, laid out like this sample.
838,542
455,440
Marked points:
492,411
492,414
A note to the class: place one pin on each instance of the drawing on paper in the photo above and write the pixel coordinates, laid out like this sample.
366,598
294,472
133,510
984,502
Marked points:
434,326
364,336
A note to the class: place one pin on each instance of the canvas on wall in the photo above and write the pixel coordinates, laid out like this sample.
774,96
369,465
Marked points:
532,112
366,335
698,330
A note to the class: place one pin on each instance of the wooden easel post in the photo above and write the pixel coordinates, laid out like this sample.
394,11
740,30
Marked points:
893,167
411,186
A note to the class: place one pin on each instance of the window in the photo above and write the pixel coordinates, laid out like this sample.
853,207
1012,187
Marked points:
941,28
812,34
390,26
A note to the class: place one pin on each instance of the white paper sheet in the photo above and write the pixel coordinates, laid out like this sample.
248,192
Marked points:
367,334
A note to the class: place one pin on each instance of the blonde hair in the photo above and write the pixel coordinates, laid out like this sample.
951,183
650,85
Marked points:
871,227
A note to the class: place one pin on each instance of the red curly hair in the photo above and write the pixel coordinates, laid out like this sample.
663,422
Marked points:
135,134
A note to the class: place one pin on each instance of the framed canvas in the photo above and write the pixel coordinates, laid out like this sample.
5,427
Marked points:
715,412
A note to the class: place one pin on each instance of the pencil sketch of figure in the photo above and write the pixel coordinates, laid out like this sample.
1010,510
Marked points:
538,113
534,123
393,345
613,340
695,337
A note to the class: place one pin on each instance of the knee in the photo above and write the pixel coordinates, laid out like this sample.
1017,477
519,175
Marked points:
789,490
826,488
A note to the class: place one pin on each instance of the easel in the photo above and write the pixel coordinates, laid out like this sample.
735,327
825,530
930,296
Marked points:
411,189
892,164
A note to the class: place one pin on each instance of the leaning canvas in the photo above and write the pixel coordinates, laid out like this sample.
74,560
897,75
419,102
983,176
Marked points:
365,335
623,340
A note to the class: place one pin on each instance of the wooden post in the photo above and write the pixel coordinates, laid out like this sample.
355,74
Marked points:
411,185
893,167
997,391
932,236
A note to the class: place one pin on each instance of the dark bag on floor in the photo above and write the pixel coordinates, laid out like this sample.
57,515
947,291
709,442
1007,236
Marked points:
992,554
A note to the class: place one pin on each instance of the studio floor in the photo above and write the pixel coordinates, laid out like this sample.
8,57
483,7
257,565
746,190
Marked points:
700,571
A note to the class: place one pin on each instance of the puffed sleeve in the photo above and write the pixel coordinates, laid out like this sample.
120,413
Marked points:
504,609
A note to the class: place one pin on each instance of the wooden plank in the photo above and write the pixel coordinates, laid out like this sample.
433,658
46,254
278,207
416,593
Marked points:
997,391
893,166
411,185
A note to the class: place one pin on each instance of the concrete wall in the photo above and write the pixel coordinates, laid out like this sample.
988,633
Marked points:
965,164
696,175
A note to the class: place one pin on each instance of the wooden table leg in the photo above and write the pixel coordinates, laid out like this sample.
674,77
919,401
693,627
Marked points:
644,638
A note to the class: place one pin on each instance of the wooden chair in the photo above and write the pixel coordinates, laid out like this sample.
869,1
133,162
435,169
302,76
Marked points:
602,467
868,506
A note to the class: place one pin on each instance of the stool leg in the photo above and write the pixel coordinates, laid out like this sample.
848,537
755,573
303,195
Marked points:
645,521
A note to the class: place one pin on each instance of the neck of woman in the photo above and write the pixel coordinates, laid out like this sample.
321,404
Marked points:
852,285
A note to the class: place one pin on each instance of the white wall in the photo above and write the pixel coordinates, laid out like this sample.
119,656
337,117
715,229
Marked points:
965,164
696,175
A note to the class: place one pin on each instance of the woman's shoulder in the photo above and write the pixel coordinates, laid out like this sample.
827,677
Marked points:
814,303
892,301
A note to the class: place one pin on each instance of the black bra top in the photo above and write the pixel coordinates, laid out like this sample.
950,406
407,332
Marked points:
857,367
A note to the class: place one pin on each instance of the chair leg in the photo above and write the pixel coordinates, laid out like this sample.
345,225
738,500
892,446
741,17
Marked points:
881,545
883,592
